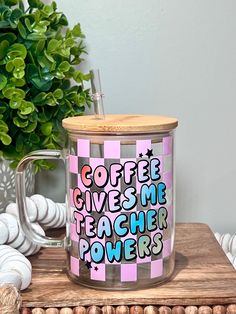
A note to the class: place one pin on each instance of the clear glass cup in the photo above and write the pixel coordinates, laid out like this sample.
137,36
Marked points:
120,202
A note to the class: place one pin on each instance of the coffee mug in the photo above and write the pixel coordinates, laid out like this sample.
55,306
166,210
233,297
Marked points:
120,200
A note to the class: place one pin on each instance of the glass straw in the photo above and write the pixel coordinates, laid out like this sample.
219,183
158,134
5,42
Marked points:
97,94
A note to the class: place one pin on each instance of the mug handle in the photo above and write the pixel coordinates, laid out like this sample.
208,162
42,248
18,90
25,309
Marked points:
30,233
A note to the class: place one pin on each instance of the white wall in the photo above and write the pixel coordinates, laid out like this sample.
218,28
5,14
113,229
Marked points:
174,58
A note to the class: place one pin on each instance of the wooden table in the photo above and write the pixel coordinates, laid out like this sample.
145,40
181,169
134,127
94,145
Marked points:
203,276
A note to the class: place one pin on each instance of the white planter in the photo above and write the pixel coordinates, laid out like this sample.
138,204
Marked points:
7,183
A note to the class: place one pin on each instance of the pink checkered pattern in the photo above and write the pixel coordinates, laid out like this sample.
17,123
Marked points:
111,152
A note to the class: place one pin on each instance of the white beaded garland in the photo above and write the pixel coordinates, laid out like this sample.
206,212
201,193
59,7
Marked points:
43,213
15,268
228,244
12,225
42,206
16,237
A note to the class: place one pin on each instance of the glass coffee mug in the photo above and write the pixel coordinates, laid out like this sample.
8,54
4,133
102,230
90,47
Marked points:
120,200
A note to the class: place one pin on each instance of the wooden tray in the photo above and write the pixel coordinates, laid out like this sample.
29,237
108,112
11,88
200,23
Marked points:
203,276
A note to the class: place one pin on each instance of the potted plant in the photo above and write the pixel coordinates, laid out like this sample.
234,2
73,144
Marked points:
40,83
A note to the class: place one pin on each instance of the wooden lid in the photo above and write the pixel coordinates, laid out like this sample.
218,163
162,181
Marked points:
120,123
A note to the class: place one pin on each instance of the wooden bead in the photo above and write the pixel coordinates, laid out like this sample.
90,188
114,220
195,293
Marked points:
136,309
94,310
108,309
191,310
231,309
164,310
79,310
66,310
219,309
38,310
178,310
25,311
52,310
205,310
122,309
150,309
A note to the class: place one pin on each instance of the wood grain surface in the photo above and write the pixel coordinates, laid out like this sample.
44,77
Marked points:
120,123
203,276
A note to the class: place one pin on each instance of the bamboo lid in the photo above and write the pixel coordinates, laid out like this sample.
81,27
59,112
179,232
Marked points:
120,123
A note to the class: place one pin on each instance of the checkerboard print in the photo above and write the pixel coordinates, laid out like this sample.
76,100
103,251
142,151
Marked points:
106,154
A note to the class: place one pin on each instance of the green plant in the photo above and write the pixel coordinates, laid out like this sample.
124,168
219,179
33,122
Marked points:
39,80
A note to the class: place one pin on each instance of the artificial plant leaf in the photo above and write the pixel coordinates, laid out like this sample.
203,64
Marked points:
44,62
86,77
54,5
49,57
65,84
58,93
19,73
18,94
14,104
34,138
46,128
51,100
30,128
3,126
22,30
3,81
16,14
63,20
40,98
18,82
3,48
78,76
64,66
53,45
3,108
45,116
5,138
26,107
69,42
47,10
23,117
51,146
28,24
33,117
11,2
19,62
36,36
17,50
40,46
76,31
19,122
8,91
31,71
41,84
35,4
5,11
19,142
21,5
10,37
4,24
37,16
41,26
10,66
59,75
